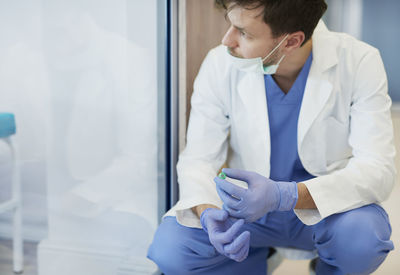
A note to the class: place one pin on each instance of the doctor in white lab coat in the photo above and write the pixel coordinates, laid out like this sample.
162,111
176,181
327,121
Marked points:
344,140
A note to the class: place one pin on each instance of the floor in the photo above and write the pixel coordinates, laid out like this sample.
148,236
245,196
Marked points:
390,267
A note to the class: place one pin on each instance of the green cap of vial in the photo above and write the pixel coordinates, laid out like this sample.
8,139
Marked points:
222,175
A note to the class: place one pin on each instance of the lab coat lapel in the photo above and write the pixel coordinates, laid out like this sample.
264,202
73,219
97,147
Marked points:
318,88
316,94
251,89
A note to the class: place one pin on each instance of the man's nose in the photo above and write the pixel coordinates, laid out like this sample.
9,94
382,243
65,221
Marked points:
229,39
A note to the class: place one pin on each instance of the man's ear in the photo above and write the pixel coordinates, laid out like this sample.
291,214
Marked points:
294,41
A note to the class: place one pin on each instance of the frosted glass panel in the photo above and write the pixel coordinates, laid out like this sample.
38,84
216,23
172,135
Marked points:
102,169
82,76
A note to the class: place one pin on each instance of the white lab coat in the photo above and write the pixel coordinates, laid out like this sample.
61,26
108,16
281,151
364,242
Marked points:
345,132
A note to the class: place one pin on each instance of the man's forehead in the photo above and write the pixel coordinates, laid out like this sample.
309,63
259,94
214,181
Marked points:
245,17
248,20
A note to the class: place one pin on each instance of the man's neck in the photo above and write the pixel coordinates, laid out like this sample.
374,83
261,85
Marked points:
291,67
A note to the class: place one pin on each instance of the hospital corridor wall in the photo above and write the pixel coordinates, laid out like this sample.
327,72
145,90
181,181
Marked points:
83,79
376,23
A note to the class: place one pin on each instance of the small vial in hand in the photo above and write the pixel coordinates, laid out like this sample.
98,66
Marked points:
222,175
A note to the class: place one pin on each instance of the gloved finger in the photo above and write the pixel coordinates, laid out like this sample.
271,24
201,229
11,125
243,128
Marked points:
229,235
230,188
241,255
237,244
218,214
227,199
238,174
235,213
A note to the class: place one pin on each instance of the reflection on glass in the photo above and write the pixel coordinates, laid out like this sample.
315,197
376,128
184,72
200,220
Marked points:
101,134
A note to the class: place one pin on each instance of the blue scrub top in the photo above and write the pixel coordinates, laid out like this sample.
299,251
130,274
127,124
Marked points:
283,112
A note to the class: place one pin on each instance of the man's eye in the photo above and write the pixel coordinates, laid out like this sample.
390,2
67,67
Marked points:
242,33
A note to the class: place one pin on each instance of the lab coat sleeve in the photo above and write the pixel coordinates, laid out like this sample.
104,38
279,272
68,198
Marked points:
206,147
370,174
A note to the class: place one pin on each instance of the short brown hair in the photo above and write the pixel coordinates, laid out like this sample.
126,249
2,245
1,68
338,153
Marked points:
284,16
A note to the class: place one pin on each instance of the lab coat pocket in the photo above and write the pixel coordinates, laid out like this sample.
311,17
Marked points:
336,137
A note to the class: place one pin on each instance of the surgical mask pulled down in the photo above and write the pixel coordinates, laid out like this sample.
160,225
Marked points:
256,65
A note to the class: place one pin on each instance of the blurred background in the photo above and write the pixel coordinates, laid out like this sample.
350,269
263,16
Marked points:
101,95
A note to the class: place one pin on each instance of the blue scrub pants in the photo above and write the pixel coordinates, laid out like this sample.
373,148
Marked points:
356,241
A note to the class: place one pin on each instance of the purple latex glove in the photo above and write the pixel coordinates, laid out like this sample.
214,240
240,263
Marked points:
262,196
223,233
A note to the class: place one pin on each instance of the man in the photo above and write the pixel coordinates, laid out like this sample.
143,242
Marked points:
305,115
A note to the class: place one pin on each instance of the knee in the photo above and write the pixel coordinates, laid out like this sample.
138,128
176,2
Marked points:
358,248
359,240
168,249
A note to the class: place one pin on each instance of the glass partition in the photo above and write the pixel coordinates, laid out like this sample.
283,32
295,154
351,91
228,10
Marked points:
84,78
102,135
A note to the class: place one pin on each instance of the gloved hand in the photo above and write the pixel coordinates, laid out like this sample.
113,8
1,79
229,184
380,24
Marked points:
223,234
262,196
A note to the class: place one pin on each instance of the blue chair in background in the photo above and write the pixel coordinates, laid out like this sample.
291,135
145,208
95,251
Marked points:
7,130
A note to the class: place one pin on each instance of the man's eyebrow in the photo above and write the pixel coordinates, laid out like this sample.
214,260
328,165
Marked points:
241,29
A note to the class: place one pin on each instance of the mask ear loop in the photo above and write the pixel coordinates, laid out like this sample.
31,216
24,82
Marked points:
277,46
280,60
